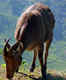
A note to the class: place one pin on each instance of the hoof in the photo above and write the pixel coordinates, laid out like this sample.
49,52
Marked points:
31,69
44,78
17,71
44,75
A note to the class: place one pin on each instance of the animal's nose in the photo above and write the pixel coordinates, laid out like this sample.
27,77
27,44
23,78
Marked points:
10,76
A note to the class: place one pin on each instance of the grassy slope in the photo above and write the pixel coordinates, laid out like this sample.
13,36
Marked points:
24,74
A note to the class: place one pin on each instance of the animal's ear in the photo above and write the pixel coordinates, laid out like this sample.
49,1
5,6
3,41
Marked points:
7,46
20,47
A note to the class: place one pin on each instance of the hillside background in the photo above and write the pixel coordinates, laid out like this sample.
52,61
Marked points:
10,10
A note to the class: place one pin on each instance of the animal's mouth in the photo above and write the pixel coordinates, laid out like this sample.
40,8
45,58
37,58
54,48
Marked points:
10,76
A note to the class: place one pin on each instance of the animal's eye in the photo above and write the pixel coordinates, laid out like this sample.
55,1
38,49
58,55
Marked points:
14,53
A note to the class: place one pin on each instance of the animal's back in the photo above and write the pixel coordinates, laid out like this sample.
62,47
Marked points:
35,24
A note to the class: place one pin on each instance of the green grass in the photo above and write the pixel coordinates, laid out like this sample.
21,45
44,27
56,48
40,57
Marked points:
24,73
1,50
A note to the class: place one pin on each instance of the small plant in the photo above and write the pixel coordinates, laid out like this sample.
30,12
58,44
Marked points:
1,50
3,65
24,65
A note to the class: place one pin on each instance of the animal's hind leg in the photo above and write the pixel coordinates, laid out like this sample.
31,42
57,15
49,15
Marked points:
40,56
48,43
34,60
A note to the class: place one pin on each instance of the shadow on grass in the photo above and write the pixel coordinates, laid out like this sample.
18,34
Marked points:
49,77
57,77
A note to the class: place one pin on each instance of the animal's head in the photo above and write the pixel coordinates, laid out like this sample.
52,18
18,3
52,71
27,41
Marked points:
12,57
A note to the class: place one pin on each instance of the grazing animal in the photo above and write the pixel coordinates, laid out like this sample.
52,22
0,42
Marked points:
12,57
34,28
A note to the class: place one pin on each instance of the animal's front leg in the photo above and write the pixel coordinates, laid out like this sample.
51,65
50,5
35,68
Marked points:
34,60
19,63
